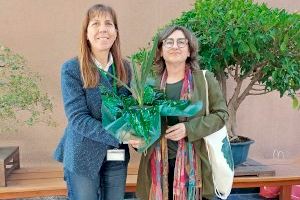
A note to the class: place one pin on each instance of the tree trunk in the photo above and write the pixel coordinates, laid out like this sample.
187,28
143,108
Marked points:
231,124
222,81
240,93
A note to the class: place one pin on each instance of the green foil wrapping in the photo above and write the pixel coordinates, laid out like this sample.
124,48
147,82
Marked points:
125,119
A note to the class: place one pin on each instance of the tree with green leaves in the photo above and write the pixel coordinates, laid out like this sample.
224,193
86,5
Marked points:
21,99
256,46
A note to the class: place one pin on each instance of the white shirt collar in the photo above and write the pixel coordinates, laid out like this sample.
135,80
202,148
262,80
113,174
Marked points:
109,63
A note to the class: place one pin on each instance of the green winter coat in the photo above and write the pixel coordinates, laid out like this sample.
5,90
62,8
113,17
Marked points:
197,127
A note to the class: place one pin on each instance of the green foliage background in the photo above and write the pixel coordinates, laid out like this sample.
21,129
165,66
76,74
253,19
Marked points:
263,42
20,93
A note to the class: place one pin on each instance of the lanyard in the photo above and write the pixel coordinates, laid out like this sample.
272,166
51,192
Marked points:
104,74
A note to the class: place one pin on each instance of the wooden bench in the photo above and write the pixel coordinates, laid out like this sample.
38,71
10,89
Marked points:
33,182
9,161
287,173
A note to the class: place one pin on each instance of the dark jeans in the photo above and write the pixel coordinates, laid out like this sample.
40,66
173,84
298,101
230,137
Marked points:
108,185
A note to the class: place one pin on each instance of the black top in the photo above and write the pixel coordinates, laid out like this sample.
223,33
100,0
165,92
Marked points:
173,91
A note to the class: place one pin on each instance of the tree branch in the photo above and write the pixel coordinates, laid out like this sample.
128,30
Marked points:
234,97
258,66
236,73
261,93
255,89
249,87
230,72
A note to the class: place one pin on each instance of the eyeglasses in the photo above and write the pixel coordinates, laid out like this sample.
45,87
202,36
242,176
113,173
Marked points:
169,42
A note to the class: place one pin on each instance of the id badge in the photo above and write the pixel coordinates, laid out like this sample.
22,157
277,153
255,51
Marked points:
115,155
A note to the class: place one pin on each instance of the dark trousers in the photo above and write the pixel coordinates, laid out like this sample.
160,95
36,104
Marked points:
171,177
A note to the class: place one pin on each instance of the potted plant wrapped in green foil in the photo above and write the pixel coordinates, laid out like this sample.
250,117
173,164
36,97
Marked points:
139,115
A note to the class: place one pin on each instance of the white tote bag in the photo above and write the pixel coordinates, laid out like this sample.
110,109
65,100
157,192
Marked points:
220,157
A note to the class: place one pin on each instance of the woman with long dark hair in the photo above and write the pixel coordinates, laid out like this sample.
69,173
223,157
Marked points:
95,164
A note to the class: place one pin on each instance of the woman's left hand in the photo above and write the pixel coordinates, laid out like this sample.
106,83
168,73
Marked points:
136,143
176,132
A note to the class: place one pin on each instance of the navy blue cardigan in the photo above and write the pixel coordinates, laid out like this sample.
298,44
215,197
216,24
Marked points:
83,146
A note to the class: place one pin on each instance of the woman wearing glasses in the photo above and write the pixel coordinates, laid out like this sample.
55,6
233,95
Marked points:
86,147
177,166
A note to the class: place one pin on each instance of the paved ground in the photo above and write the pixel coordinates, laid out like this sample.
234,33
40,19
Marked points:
231,197
237,194
54,198
45,198
128,196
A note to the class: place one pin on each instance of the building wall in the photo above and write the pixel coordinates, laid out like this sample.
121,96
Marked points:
46,33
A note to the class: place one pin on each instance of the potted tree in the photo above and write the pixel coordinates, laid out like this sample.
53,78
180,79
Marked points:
250,44
21,103
21,99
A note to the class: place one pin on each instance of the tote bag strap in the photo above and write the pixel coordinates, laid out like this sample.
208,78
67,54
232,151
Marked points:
206,93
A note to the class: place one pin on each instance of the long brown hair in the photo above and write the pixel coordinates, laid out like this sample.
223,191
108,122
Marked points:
191,61
89,72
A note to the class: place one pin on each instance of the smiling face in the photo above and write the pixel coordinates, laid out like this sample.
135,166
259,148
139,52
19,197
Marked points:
178,52
101,33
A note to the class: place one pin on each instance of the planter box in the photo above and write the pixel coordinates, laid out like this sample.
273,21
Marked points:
240,151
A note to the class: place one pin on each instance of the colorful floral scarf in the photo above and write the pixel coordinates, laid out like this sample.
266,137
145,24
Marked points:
185,185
